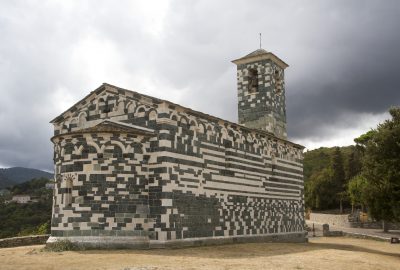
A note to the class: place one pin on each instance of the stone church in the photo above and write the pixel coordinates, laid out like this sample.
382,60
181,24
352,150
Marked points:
136,171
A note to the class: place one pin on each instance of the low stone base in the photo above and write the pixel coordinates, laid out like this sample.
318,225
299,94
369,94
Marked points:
298,237
106,242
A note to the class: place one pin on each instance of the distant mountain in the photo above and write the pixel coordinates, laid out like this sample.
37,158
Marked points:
17,175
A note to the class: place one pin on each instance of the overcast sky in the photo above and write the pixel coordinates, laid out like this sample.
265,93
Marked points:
343,61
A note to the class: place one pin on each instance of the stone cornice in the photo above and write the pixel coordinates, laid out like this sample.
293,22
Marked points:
110,126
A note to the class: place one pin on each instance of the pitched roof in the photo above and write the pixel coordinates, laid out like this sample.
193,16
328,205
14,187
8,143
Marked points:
256,52
260,54
60,117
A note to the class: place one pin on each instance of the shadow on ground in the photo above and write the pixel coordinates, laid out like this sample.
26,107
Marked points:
249,250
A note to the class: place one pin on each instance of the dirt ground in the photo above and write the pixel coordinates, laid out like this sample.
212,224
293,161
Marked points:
319,253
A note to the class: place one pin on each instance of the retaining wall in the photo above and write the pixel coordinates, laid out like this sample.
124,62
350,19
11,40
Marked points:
346,222
24,241
333,220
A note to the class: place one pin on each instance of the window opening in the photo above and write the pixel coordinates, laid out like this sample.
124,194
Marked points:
253,80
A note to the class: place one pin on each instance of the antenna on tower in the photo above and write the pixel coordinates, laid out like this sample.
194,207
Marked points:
260,40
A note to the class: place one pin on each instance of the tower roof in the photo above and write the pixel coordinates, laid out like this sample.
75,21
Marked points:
256,52
260,54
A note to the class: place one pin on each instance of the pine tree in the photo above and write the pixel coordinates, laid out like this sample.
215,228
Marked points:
338,177
353,166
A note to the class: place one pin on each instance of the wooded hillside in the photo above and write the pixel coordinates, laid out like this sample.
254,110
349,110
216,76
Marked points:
30,218
17,175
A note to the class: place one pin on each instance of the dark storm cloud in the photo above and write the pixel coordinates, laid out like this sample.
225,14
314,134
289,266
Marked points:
39,73
343,58
356,70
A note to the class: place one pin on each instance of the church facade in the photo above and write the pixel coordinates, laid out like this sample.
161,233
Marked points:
140,172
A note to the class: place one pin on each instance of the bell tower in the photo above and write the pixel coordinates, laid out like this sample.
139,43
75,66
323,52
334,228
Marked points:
261,92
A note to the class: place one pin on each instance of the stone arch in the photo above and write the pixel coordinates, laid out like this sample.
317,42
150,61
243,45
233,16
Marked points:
242,139
74,121
78,149
82,119
193,125
236,138
93,144
152,115
249,138
231,133
104,99
183,121
140,111
174,117
224,133
120,145
130,107
201,127
216,129
263,141
121,106
209,129
256,143
118,150
67,194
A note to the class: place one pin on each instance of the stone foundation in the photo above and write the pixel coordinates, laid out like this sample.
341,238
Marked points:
106,242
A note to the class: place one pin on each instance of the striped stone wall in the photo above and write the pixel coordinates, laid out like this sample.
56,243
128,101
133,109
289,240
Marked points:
147,172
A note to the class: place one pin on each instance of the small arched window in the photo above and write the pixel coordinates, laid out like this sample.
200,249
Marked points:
278,82
253,80
82,120
104,106
67,194
141,112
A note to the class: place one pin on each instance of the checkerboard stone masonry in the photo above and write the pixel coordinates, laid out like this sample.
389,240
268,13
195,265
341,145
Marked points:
135,171
262,106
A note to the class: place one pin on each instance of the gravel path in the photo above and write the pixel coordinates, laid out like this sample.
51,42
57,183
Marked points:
361,231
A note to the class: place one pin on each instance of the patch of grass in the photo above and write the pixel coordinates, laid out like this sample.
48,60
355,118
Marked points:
62,245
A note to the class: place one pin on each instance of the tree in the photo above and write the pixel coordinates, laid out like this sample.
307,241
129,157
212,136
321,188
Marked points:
319,188
353,167
338,177
331,167
337,167
356,190
381,168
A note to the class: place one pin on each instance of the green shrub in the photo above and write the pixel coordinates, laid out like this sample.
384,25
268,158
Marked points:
62,245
